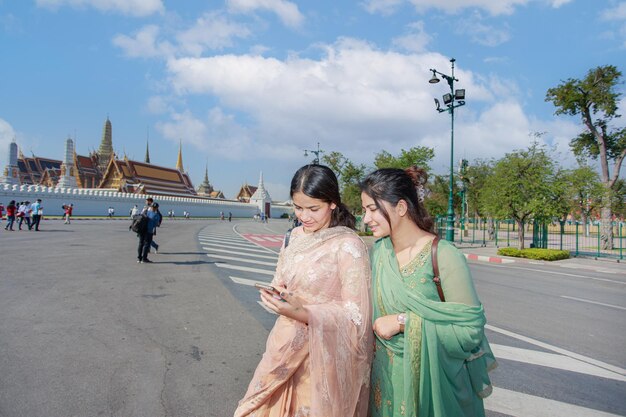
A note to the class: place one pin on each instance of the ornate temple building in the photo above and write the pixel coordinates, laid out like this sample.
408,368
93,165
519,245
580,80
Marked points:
245,192
102,169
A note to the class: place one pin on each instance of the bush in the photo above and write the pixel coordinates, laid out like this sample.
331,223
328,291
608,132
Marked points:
538,254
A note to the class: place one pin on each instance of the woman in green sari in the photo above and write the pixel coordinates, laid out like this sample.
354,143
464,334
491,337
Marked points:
431,357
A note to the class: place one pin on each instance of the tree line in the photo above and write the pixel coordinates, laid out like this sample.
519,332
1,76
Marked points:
529,184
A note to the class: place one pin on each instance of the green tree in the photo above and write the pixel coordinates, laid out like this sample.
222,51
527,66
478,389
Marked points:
519,187
477,173
349,175
595,98
419,156
587,192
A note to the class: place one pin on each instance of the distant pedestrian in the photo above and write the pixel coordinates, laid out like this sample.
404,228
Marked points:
36,213
221,215
11,211
111,212
230,216
24,212
69,208
187,215
133,211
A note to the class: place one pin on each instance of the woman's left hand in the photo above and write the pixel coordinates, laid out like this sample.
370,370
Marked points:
387,327
289,304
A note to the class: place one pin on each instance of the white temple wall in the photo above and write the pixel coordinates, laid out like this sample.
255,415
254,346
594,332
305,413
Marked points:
90,202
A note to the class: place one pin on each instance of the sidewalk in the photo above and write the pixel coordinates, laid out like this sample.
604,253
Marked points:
490,254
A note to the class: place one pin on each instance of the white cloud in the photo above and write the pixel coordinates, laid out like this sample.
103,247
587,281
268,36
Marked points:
137,8
615,13
144,43
480,33
355,99
217,132
416,40
558,3
211,31
384,7
286,11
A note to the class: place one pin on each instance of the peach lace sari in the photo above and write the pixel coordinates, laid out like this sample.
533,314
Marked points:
319,370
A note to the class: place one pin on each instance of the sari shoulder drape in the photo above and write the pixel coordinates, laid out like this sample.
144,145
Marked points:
439,364
330,270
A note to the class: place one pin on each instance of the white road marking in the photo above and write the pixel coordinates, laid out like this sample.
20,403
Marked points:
220,235
245,281
257,238
547,346
250,248
593,302
237,242
245,268
521,405
248,261
552,360
246,253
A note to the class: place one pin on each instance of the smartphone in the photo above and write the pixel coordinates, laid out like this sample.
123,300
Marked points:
265,287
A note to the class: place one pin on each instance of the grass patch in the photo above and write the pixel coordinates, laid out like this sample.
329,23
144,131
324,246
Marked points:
538,254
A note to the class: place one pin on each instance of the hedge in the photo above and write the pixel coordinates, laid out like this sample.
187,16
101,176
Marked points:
538,254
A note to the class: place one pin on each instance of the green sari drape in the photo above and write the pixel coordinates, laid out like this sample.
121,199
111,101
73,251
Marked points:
438,367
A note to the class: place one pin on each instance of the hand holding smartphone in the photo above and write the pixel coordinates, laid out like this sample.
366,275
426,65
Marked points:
269,288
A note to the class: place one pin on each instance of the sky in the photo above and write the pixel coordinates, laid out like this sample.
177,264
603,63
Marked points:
247,85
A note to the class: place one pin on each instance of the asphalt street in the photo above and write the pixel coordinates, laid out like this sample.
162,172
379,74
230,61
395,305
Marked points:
86,331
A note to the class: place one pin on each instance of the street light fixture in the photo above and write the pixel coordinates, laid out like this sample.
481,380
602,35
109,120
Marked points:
451,100
317,153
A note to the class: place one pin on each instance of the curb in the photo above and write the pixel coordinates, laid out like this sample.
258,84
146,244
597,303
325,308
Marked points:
484,258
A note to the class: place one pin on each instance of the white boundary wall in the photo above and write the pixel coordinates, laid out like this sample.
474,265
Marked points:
95,202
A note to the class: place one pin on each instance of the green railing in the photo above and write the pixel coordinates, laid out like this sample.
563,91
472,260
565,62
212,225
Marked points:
579,239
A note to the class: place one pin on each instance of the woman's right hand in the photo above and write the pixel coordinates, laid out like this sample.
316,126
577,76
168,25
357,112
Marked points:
387,327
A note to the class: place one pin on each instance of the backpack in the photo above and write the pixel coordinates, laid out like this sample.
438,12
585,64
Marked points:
139,224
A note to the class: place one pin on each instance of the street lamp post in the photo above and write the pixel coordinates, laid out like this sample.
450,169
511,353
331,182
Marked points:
451,100
317,153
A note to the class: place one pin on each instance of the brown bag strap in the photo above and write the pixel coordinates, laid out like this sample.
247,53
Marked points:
436,278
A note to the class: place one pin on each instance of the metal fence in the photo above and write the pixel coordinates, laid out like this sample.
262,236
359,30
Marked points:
578,238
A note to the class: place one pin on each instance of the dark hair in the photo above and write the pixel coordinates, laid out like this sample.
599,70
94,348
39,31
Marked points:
394,184
320,182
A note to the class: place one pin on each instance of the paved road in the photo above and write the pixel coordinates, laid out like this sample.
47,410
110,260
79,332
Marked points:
86,331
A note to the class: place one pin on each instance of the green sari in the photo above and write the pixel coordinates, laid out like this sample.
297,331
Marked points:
438,366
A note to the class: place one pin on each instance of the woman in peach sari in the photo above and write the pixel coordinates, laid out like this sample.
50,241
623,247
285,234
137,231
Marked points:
318,355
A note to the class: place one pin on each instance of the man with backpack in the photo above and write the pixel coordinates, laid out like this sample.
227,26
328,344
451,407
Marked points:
144,225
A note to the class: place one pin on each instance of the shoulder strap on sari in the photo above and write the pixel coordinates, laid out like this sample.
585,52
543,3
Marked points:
436,278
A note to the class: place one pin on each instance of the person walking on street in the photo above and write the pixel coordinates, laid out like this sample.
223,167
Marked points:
11,209
68,212
145,236
24,214
153,244
37,212
133,211
230,216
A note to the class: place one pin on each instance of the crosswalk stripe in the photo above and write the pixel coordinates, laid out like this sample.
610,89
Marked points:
245,281
223,239
244,268
249,261
229,242
247,249
246,253
520,405
552,360
222,235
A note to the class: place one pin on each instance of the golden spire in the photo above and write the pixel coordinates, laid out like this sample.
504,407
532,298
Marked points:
179,162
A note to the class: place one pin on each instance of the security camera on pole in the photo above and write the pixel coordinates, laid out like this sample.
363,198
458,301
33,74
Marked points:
451,100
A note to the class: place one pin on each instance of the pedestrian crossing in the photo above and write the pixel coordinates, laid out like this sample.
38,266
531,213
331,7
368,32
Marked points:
251,258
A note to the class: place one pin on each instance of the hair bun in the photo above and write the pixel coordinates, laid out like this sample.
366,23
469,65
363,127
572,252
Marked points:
417,175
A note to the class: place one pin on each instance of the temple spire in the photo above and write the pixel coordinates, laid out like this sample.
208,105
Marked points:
105,152
147,153
179,161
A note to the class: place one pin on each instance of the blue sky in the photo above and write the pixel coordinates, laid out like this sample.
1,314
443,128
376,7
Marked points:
247,85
